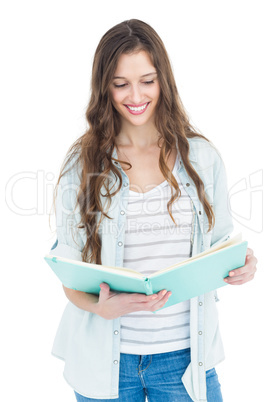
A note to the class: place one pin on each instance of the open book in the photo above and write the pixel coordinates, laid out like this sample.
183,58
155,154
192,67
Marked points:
190,278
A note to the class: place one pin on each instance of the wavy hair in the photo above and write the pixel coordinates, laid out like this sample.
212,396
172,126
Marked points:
95,147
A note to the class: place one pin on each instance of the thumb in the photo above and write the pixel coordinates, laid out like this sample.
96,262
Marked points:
105,290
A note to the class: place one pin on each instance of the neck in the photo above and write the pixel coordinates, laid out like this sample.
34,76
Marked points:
138,137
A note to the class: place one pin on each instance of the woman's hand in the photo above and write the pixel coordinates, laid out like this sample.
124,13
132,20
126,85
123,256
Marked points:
244,274
113,305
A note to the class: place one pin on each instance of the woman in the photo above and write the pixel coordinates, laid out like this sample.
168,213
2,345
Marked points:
144,191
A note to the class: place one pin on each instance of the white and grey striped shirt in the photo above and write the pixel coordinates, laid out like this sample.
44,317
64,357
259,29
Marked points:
153,242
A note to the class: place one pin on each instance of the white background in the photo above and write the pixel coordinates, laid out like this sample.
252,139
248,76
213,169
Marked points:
218,51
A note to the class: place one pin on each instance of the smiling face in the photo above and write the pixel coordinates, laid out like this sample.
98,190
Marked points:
135,89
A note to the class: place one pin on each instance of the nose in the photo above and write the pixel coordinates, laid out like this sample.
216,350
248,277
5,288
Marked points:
136,94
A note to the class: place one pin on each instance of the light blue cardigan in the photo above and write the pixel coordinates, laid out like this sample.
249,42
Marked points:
90,344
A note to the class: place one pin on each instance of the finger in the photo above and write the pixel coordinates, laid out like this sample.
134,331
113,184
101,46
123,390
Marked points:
239,271
104,286
161,303
236,273
104,291
251,259
242,280
249,251
162,298
154,302
159,296
141,298
249,267
235,280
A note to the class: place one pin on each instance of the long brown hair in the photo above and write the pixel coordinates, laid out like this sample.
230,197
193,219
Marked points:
95,147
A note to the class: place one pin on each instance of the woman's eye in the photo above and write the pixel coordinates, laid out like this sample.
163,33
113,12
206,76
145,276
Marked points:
119,86
123,85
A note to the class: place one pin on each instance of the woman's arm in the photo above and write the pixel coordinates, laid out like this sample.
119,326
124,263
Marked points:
110,305
224,225
85,301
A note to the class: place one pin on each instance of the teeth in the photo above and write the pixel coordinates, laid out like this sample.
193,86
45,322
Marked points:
138,109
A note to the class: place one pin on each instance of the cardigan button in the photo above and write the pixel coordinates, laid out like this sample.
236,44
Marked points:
115,361
187,184
122,212
120,243
200,333
200,364
125,184
116,332
200,304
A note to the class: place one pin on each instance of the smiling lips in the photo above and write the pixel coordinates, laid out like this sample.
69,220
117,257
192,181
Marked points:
137,109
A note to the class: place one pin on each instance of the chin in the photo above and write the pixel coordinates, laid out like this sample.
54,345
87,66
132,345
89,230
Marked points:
138,120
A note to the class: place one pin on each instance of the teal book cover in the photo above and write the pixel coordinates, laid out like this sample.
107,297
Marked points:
192,277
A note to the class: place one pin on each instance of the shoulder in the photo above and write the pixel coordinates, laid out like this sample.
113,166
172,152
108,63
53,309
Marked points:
203,153
71,169
68,186
207,162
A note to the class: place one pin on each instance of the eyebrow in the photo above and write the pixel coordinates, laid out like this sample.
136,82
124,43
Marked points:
145,75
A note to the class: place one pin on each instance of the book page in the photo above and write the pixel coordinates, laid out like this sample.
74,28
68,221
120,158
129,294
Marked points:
228,243
123,271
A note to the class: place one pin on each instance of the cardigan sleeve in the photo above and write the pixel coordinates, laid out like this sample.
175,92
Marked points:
223,218
69,243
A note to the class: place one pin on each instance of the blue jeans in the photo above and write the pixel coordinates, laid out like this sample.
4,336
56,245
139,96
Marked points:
157,377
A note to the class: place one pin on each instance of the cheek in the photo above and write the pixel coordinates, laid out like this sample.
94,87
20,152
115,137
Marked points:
116,97
156,92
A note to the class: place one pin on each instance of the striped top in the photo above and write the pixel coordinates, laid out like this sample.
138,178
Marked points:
153,242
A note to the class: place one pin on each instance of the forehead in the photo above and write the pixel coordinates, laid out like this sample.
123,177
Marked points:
134,64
